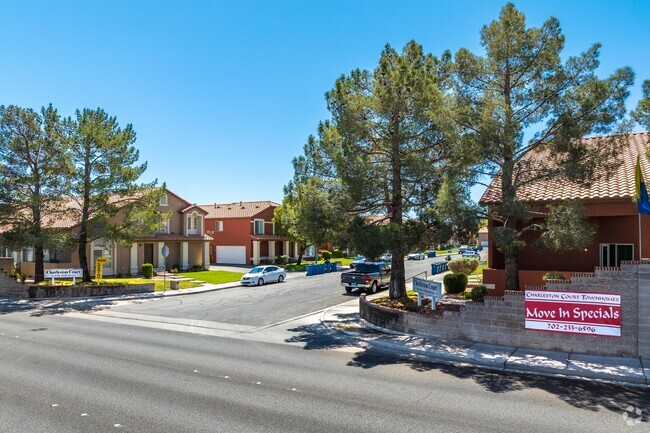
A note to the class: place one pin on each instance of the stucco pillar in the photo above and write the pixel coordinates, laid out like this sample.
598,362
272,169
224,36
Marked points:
134,259
256,252
161,258
272,251
296,250
285,249
206,255
185,261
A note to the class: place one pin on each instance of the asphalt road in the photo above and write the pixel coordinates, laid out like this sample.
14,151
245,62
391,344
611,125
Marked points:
61,372
262,305
238,361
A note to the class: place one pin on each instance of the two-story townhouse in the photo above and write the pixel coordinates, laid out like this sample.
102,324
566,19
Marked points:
243,233
620,233
183,233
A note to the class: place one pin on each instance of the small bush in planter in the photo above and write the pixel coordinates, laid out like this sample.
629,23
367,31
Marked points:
553,276
455,283
479,293
337,254
326,255
147,270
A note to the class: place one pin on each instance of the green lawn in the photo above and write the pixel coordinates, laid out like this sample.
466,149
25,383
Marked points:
213,277
158,287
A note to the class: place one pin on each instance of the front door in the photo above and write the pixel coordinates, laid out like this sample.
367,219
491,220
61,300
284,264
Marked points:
148,253
103,248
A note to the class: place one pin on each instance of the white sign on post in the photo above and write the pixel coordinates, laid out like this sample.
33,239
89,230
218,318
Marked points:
64,273
429,289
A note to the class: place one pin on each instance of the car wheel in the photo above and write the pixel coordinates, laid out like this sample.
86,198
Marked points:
260,282
348,289
280,278
373,288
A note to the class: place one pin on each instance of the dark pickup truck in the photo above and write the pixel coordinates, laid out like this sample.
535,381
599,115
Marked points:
369,276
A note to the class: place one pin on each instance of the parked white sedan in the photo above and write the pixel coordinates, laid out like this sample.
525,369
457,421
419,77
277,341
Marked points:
416,256
260,275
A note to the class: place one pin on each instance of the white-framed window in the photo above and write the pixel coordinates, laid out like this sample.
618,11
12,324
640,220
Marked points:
193,224
164,227
258,228
163,200
218,226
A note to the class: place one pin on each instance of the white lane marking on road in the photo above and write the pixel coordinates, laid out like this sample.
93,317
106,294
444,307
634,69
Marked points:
257,383
55,405
196,371
118,425
226,377
84,414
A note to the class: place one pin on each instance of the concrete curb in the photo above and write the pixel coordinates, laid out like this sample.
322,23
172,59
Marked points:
388,343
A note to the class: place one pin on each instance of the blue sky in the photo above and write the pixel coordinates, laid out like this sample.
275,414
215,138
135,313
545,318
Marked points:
223,95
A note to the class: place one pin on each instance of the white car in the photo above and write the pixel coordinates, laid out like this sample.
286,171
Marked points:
471,255
415,256
386,257
260,275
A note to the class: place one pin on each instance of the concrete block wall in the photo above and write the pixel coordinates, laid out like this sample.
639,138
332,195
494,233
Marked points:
644,310
500,320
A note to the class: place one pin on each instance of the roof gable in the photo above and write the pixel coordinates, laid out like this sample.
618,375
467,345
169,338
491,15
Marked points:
243,209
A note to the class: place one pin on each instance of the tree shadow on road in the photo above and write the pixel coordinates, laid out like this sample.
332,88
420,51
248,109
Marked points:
593,396
54,307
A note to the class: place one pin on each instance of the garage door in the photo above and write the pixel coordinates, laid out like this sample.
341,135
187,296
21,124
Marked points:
231,255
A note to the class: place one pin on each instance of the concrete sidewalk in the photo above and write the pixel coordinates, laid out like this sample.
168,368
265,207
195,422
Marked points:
345,318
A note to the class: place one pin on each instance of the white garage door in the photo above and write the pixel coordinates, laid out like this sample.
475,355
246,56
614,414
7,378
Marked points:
231,255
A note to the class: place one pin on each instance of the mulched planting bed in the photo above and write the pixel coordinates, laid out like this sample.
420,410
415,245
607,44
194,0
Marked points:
411,304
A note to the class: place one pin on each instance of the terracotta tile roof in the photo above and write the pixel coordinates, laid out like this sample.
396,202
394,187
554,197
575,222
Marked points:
619,185
378,220
242,209
165,237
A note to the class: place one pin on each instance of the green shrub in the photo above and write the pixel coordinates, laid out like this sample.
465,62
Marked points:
337,254
479,293
198,268
455,283
147,270
463,266
553,276
326,255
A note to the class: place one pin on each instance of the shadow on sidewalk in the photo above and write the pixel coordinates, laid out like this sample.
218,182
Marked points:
586,395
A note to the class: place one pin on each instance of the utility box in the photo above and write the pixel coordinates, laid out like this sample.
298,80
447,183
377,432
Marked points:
174,284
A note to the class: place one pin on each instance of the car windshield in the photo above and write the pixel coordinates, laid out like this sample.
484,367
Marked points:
257,270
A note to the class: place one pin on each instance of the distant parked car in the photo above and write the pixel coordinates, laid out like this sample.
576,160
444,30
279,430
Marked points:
462,249
416,256
357,260
471,255
261,275
386,257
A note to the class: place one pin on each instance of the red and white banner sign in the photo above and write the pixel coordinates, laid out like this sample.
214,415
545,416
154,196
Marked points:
573,312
